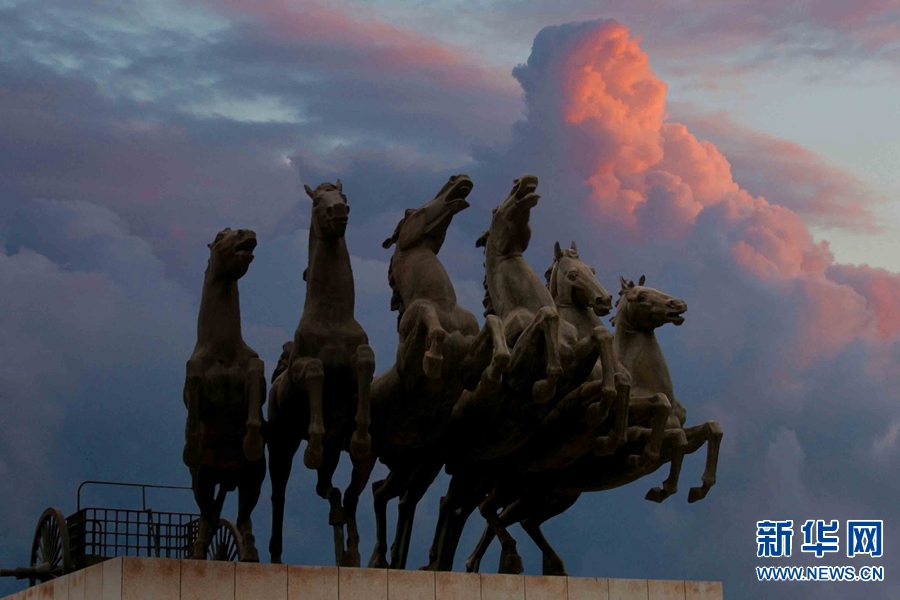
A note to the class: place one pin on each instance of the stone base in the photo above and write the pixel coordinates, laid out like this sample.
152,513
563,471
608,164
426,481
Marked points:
128,578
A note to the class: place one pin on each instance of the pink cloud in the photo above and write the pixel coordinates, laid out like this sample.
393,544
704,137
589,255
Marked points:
656,179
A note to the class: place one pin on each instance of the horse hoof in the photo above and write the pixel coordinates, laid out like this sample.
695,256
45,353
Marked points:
431,364
351,559
378,562
696,493
312,457
606,445
360,446
635,461
472,566
251,555
543,391
657,495
511,564
554,567
499,365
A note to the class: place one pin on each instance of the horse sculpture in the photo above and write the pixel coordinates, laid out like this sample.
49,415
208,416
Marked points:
323,393
549,362
441,353
532,499
224,391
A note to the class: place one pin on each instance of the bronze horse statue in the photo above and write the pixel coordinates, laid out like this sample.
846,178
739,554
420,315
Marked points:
224,391
549,365
323,393
532,499
441,353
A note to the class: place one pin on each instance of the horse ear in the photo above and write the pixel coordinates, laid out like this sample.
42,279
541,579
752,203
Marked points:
481,242
408,212
642,280
339,185
209,245
304,274
623,283
593,270
574,247
557,251
309,191
387,243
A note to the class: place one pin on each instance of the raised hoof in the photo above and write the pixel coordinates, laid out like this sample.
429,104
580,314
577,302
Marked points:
191,453
657,495
360,447
543,391
696,493
554,567
597,414
253,444
431,364
511,564
312,456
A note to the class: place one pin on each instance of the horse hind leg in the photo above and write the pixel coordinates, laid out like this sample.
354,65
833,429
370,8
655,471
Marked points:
280,463
607,445
510,561
383,492
359,477
551,562
248,496
204,486
711,433
675,443
418,485
325,489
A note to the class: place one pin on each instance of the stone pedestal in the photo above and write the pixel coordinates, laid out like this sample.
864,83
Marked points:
130,578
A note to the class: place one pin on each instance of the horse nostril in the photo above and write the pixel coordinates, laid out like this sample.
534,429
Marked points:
328,211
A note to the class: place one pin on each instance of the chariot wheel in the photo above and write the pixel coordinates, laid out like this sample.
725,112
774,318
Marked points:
226,543
50,550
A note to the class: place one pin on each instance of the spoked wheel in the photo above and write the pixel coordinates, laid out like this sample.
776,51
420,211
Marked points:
226,543
50,553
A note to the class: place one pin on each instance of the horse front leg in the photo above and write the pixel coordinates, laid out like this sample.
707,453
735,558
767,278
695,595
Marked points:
489,347
657,408
607,445
309,374
433,360
542,333
361,441
674,445
255,392
711,433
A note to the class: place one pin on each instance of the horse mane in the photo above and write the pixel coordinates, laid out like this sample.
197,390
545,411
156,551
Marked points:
396,299
487,302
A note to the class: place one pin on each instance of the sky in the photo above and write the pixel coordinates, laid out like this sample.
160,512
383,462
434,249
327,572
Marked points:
743,156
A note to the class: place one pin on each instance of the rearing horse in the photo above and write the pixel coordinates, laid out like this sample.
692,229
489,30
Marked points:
325,385
441,353
224,391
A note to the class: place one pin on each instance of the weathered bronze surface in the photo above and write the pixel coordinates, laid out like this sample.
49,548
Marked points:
224,391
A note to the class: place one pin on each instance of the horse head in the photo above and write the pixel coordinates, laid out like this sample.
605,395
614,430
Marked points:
428,224
572,282
645,309
231,253
510,231
330,211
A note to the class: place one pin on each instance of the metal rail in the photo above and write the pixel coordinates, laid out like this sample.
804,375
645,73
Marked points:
143,487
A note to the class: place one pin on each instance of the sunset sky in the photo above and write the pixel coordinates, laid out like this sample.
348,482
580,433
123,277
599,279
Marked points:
744,156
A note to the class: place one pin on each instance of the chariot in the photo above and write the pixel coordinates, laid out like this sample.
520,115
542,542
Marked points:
92,535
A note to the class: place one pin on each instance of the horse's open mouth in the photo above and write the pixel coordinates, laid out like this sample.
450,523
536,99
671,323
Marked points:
460,192
675,317
245,247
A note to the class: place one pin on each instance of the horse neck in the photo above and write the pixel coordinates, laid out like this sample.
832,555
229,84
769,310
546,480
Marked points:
512,283
424,277
219,323
640,353
330,290
584,319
